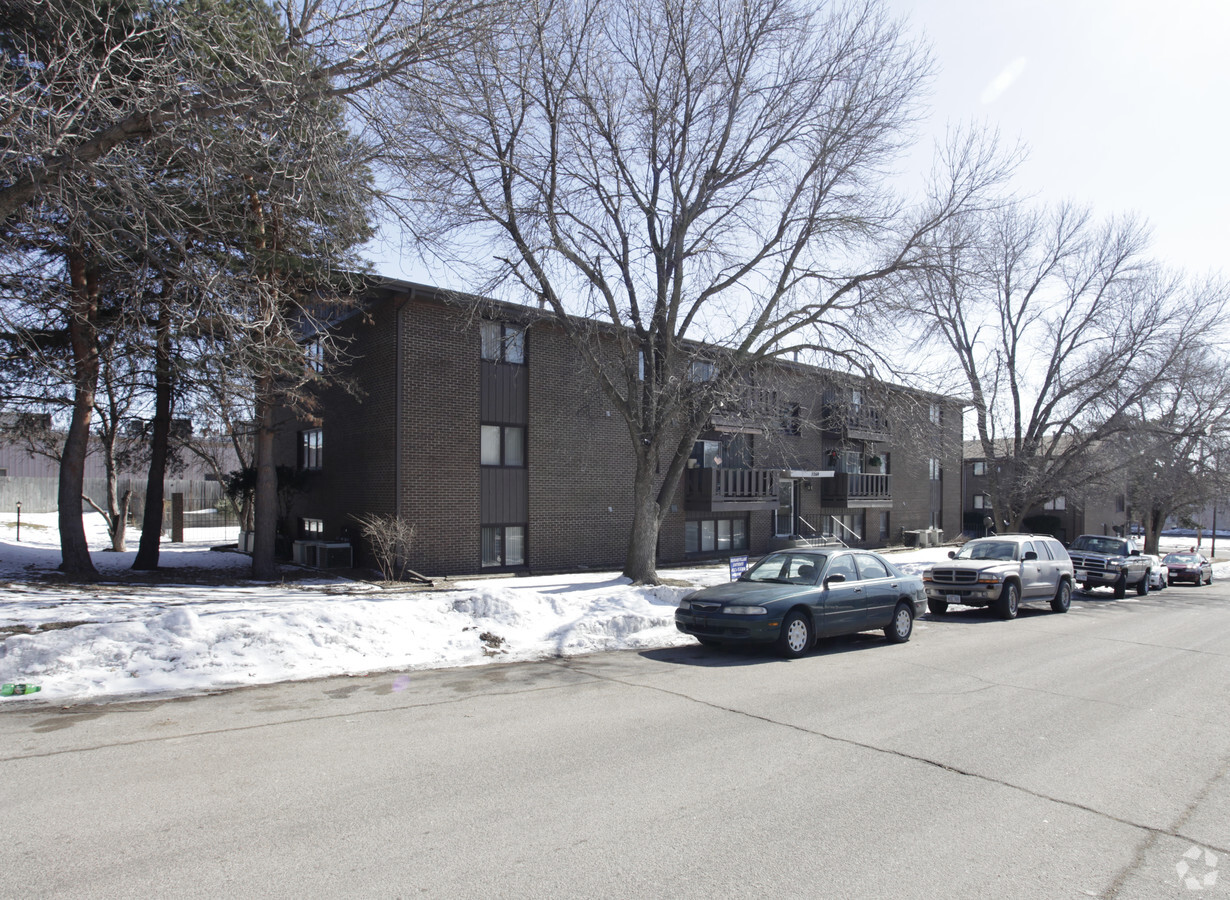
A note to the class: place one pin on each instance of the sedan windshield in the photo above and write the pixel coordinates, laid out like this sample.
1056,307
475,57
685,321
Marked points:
1181,559
1005,550
787,568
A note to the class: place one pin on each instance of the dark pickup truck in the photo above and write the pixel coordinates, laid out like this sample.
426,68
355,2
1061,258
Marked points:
1102,561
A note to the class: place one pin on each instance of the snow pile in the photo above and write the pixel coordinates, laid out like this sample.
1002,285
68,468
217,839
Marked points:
82,642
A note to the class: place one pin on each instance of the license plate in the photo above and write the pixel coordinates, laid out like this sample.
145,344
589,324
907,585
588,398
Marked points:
953,598
1081,574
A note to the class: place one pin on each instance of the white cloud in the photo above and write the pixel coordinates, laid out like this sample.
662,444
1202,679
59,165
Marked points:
1004,80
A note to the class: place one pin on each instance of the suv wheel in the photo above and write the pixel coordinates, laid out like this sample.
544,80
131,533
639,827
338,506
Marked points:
1063,597
1142,587
937,607
1008,602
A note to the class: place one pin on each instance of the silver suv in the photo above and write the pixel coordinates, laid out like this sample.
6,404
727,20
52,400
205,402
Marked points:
1002,572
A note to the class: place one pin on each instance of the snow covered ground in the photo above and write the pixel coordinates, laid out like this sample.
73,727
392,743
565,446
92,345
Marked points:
116,639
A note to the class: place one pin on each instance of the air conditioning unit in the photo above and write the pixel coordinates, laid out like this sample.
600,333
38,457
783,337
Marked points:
333,555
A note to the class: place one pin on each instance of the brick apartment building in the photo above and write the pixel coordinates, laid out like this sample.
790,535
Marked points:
1094,510
482,428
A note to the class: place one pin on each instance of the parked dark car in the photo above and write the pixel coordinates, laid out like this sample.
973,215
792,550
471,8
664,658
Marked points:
1189,566
792,597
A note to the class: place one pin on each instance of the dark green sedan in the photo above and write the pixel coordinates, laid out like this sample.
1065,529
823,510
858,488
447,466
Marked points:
792,597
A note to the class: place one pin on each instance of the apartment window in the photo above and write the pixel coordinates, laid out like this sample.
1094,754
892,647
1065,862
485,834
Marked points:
1058,504
936,414
715,535
314,354
884,525
934,472
792,419
982,501
502,445
701,370
503,545
1120,503
4,473
980,468
311,449
312,529
503,342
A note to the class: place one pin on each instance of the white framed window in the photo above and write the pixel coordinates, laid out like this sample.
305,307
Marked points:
503,343
980,468
934,471
312,529
936,414
1059,503
982,501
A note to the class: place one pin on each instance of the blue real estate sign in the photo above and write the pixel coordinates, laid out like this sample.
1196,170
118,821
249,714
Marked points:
738,565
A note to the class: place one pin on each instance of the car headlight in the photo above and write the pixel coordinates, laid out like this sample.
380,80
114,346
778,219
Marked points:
685,604
746,610
1117,561
990,578
926,576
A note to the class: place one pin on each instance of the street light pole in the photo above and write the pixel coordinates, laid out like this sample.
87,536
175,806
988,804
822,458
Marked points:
19,521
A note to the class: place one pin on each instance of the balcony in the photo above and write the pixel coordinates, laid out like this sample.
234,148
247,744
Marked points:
860,423
729,490
857,490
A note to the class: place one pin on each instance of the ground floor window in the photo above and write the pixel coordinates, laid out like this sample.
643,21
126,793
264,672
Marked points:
883,527
503,545
312,529
715,535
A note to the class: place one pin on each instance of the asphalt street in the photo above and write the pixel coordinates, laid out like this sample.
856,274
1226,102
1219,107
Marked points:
1054,756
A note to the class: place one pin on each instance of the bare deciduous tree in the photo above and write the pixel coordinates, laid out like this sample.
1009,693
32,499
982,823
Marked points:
1060,328
661,172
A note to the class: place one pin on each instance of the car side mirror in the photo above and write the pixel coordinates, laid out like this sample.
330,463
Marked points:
834,579
1030,554
952,554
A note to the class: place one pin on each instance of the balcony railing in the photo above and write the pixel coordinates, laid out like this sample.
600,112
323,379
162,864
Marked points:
858,422
731,490
857,489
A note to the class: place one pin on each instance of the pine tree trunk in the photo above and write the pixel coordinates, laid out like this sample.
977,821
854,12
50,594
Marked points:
151,521
83,338
265,503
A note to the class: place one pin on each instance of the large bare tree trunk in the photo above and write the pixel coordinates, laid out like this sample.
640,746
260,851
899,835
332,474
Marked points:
641,562
151,522
83,338
265,504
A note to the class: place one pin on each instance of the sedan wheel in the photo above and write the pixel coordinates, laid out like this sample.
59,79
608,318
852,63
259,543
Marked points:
901,627
1008,602
1063,597
796,637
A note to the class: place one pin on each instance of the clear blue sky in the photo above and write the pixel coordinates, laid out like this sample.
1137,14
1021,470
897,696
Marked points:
1124,105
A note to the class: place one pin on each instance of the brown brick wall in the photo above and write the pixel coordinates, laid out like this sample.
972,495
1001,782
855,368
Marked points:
579,463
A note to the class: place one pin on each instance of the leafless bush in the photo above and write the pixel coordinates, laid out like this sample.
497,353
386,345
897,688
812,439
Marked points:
390,539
